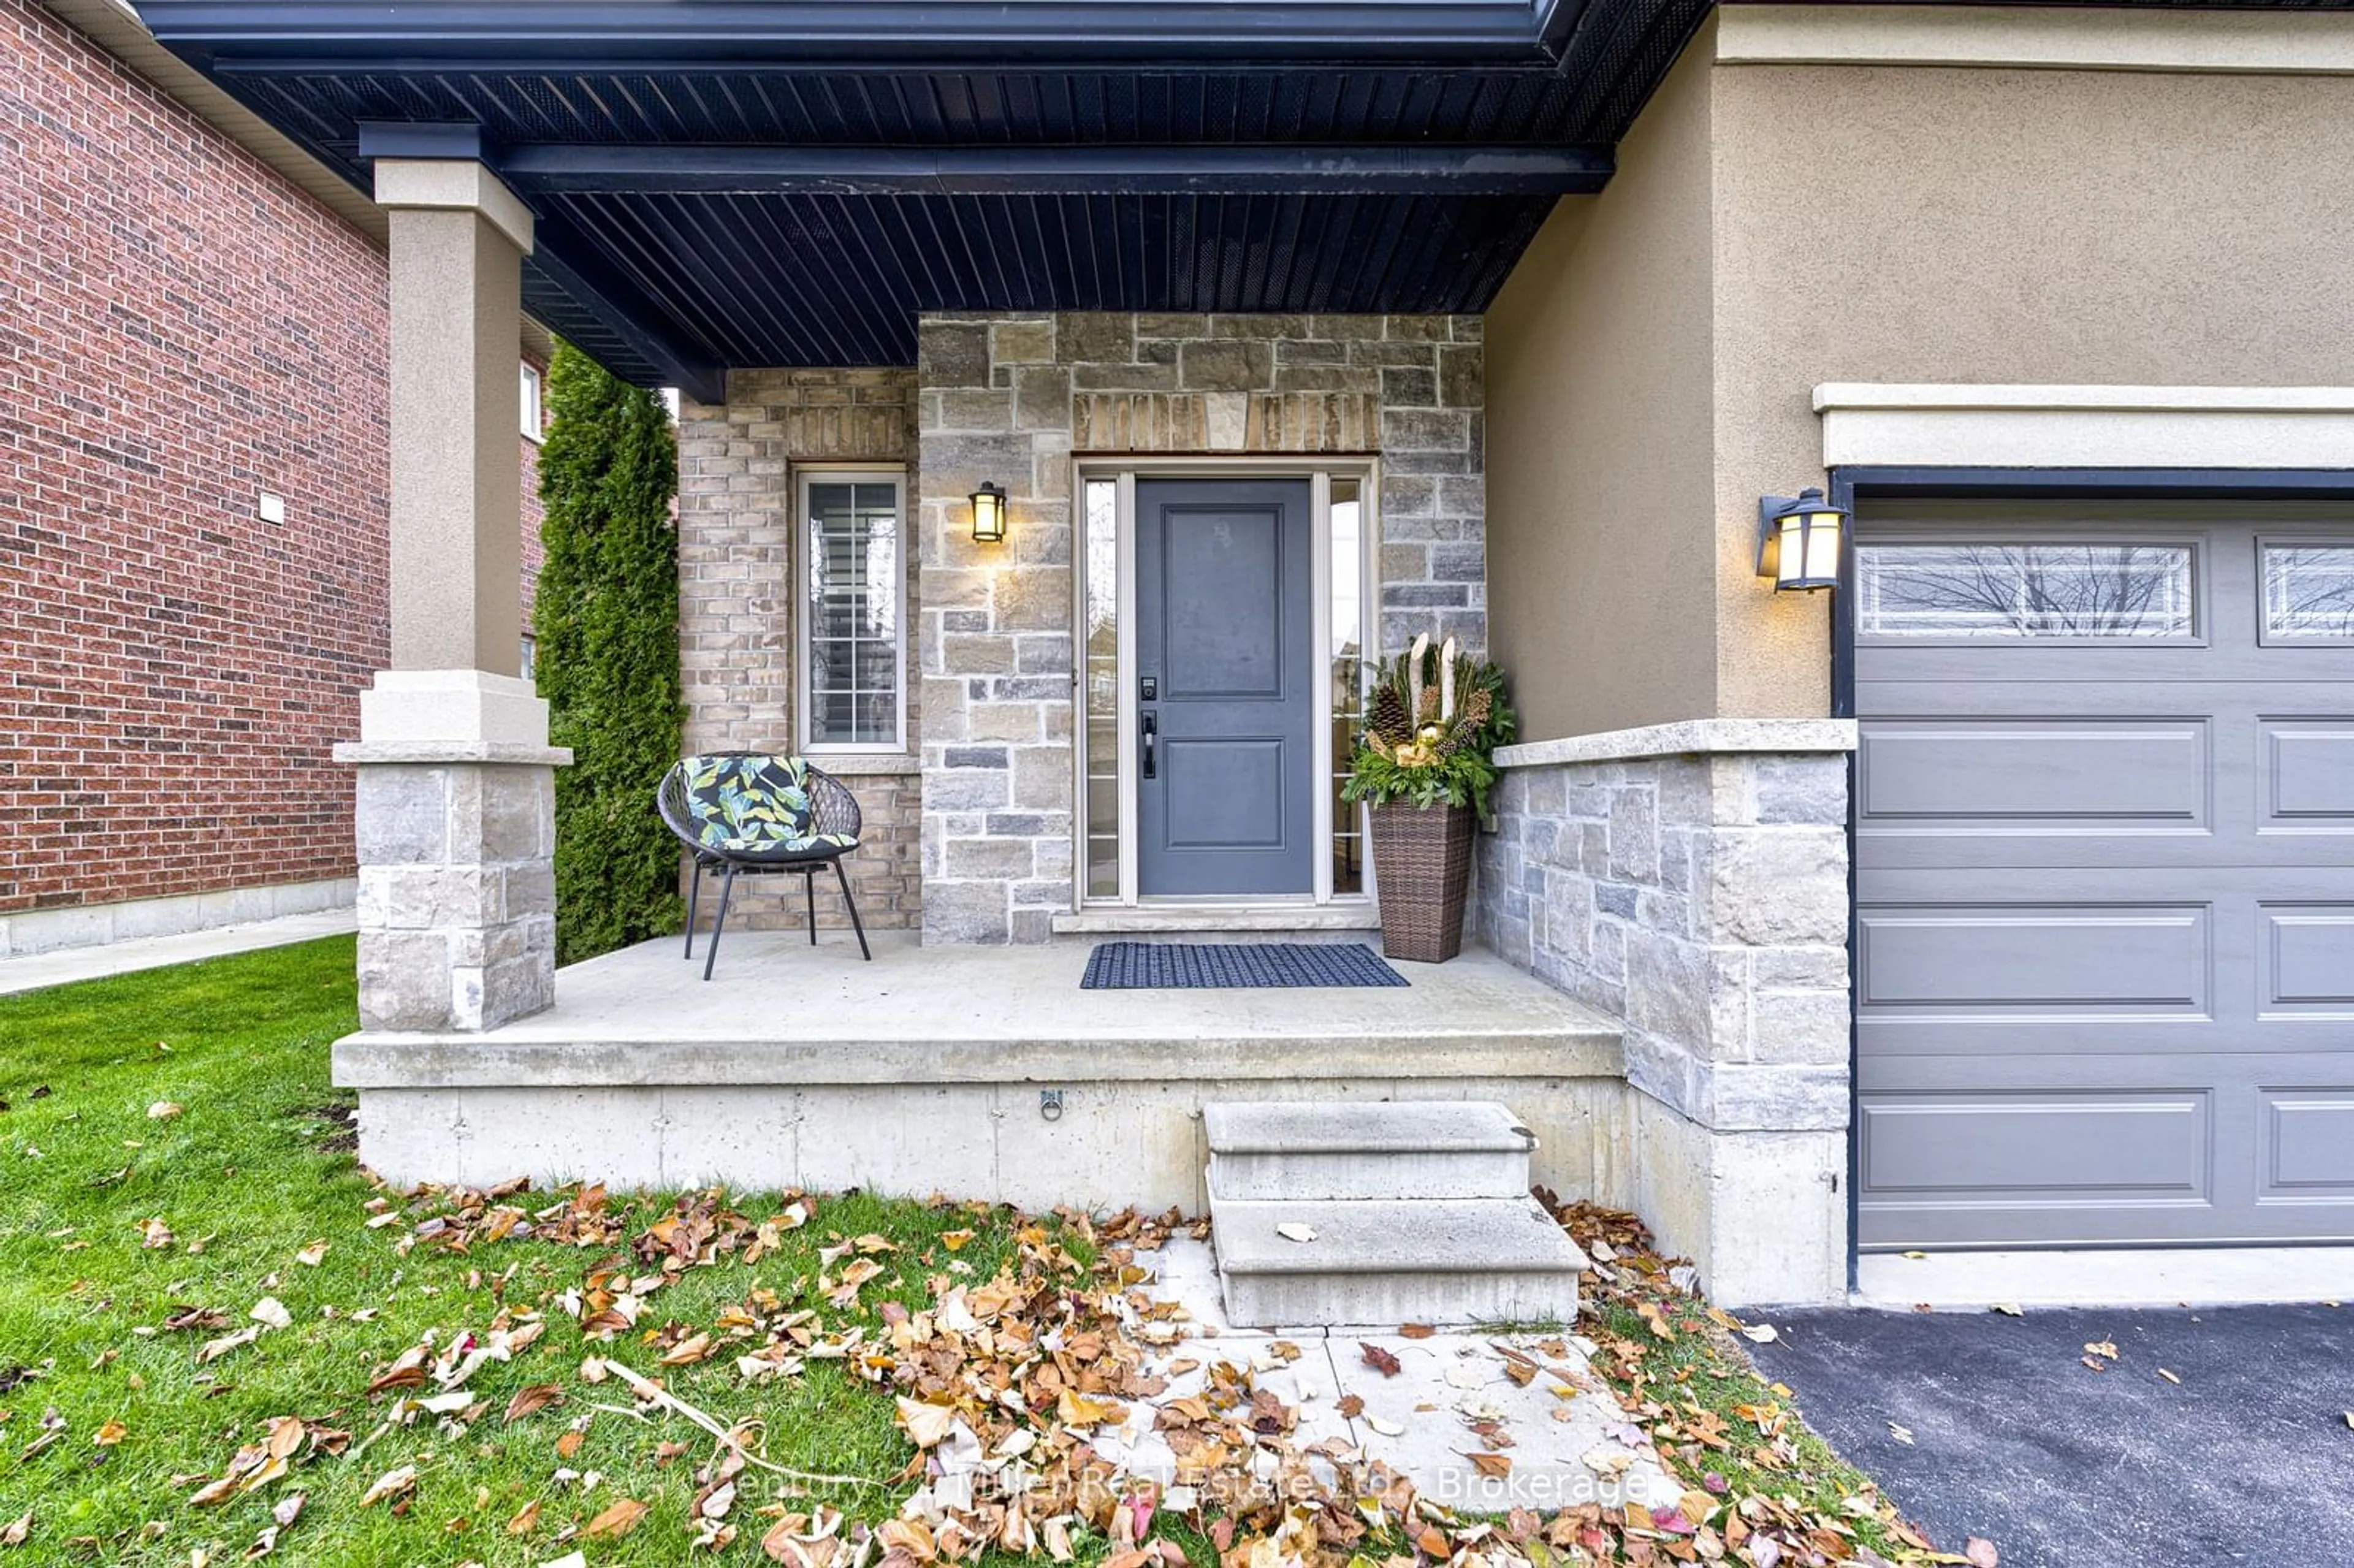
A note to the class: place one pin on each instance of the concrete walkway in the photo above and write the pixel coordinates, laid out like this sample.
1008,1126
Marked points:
1991,1426
35,971
1565,1434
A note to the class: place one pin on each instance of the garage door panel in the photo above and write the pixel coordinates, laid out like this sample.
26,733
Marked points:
2326,881
2104,895
2194,856
1994,1038
2308,1149
1960,775
2308,774
2024,1148
1881,700
2073,1226
2038,959
2306,958
2164,1060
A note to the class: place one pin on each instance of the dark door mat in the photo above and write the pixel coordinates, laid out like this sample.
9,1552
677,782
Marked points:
1220,966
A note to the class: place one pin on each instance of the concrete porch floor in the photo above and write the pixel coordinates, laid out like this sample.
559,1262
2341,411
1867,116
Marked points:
924,1071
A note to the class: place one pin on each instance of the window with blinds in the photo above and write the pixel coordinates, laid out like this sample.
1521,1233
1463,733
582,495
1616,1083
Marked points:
853,673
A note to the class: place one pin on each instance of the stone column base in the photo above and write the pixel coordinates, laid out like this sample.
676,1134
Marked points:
457,883
1690,881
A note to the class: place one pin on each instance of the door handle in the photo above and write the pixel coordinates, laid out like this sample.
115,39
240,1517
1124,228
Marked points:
1151,728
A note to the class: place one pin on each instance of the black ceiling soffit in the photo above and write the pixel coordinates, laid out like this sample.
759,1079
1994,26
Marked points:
788,182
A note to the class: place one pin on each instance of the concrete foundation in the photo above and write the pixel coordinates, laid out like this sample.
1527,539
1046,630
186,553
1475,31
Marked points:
82,926
1763,1214
927,1071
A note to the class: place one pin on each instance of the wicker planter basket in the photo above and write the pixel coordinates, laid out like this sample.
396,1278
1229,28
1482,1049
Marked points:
1422,869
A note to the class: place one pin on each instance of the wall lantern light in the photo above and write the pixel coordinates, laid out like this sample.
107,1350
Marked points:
989,513
1798,540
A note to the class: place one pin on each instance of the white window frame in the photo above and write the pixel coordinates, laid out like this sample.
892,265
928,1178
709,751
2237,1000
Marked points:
2293,539
533,410
1319,472
803,476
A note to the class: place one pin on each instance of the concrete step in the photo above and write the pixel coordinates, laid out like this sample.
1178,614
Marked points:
1274,1149
1437,1261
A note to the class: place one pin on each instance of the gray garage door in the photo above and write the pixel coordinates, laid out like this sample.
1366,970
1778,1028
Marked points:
2105,874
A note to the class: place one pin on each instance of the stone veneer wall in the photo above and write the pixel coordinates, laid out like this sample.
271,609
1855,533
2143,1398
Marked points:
1013,399
1700,898
456,893
738,612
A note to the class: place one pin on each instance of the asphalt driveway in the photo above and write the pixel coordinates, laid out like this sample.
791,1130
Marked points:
2249,1458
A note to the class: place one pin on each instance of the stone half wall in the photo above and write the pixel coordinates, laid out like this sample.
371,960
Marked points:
1013,399
1691,882
738,612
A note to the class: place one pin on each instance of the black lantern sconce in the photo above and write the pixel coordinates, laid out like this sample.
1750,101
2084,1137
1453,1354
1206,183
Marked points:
1799,541
989,514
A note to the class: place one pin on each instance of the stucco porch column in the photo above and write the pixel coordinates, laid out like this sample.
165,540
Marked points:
456,799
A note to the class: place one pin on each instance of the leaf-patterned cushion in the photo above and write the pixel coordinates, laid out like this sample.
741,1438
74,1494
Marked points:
755,805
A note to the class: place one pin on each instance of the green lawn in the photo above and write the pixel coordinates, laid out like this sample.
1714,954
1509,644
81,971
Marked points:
255,1167
171,1156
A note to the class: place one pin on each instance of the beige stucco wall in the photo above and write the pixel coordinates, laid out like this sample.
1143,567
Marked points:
1599,443
1866,223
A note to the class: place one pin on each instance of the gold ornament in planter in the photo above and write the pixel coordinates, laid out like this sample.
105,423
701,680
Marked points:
1424,765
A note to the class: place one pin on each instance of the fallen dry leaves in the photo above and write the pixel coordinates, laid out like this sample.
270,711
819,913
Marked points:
1016,1392
289,1440
619,1519
1768,1526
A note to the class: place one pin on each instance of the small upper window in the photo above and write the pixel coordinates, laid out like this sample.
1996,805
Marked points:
854,681
531,414
2308,593
2051,591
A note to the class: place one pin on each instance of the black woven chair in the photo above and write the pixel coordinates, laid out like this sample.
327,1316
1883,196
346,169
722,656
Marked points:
749,813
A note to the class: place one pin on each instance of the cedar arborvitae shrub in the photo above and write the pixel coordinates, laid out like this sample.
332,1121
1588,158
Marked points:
606,623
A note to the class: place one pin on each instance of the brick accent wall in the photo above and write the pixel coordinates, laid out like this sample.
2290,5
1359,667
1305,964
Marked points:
738,609
1011,399
181,331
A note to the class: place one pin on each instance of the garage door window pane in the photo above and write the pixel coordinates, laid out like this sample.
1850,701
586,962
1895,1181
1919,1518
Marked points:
2139,591
2309,592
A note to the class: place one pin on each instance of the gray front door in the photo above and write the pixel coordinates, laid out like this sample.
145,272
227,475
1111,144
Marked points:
2105,874
1225,689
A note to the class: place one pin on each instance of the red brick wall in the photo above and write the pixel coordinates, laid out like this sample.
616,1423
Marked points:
181,330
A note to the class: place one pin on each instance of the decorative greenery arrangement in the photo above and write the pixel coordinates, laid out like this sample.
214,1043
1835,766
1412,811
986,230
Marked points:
606,620
1434,720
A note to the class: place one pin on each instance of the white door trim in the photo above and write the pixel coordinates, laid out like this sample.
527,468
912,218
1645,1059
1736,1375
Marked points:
1928,425
1124,470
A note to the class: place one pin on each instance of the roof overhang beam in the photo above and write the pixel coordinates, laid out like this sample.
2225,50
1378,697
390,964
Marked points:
624,313
1197,170
358,34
